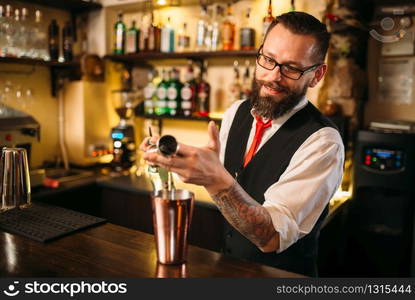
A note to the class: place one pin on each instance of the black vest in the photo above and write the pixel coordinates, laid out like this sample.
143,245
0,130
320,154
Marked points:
265,168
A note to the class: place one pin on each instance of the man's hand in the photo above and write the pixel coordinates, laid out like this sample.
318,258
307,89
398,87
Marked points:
196,165
201,166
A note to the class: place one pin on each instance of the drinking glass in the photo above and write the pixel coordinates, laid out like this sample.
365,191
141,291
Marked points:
14,179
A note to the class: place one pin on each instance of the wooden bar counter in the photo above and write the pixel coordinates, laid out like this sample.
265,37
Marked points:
114,251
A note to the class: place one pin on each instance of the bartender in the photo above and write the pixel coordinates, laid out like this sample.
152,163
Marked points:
277,160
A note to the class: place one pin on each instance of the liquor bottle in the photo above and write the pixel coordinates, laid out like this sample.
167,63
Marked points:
145,28
201,29
228,31
38,39
246,83
216,42
161,107
67,42
247,33
9,31
17,37
188,93
153,41
183,39
132,38
2,33
267,20
54,40
203,94
167,38
150,97
156,78
174,93
14,47
209,30
236,87
23,34
119,35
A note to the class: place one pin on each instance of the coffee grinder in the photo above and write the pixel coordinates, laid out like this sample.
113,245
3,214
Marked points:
123,135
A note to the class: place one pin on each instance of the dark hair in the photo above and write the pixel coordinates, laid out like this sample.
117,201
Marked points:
305,24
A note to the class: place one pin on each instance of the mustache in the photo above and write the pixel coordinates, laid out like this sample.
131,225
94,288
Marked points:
272,85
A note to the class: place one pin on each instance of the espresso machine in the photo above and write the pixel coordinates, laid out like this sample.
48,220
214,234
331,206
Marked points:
20,130
123,135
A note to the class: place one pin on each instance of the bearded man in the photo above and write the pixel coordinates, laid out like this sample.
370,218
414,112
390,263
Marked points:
277,160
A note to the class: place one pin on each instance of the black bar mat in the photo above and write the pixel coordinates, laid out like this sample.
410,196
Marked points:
42,222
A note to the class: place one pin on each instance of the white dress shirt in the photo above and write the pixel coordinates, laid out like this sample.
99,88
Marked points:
312,177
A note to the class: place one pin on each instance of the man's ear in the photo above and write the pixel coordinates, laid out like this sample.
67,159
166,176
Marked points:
318,75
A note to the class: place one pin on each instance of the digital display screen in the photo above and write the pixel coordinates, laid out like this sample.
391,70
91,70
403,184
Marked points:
383,154
117,135
383,159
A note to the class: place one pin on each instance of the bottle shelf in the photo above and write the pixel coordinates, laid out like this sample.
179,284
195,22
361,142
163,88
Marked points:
143,56
182,118
74,6
57,69
40,62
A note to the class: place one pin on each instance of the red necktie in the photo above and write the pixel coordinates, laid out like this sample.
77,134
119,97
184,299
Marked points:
259,132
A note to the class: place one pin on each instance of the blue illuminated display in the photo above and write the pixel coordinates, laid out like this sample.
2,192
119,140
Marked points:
383,154
383,159
117,135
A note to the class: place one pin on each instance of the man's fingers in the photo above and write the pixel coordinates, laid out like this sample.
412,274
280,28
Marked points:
185,150
147,142
164,162
213,143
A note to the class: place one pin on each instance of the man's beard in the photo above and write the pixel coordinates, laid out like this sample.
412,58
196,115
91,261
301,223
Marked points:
269,107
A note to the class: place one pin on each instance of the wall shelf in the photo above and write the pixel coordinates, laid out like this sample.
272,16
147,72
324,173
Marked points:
74,6
40,62
161,119
183,118
58,70
144,56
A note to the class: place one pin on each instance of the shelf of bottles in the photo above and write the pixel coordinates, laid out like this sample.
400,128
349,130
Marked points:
143,56
166,97
41,62
75,6
183,118
215,36
26,39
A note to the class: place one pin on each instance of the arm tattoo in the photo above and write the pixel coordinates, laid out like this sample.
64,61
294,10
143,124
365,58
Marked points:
245,214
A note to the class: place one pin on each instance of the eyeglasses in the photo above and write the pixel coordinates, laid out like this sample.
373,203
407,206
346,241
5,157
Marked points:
288,71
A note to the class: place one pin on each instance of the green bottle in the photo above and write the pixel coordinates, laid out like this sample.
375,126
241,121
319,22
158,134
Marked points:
132,38
150,95
119,36
174,94
161,107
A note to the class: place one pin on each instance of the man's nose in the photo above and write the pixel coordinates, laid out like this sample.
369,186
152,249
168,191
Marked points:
274,75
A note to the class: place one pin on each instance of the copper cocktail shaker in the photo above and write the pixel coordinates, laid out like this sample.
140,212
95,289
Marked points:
172,214
171,271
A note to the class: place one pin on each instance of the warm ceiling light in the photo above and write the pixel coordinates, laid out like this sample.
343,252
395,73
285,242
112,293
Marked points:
158,3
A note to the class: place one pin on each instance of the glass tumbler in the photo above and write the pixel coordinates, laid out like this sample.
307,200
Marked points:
14,179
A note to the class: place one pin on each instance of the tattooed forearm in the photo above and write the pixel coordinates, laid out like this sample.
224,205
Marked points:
246,215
